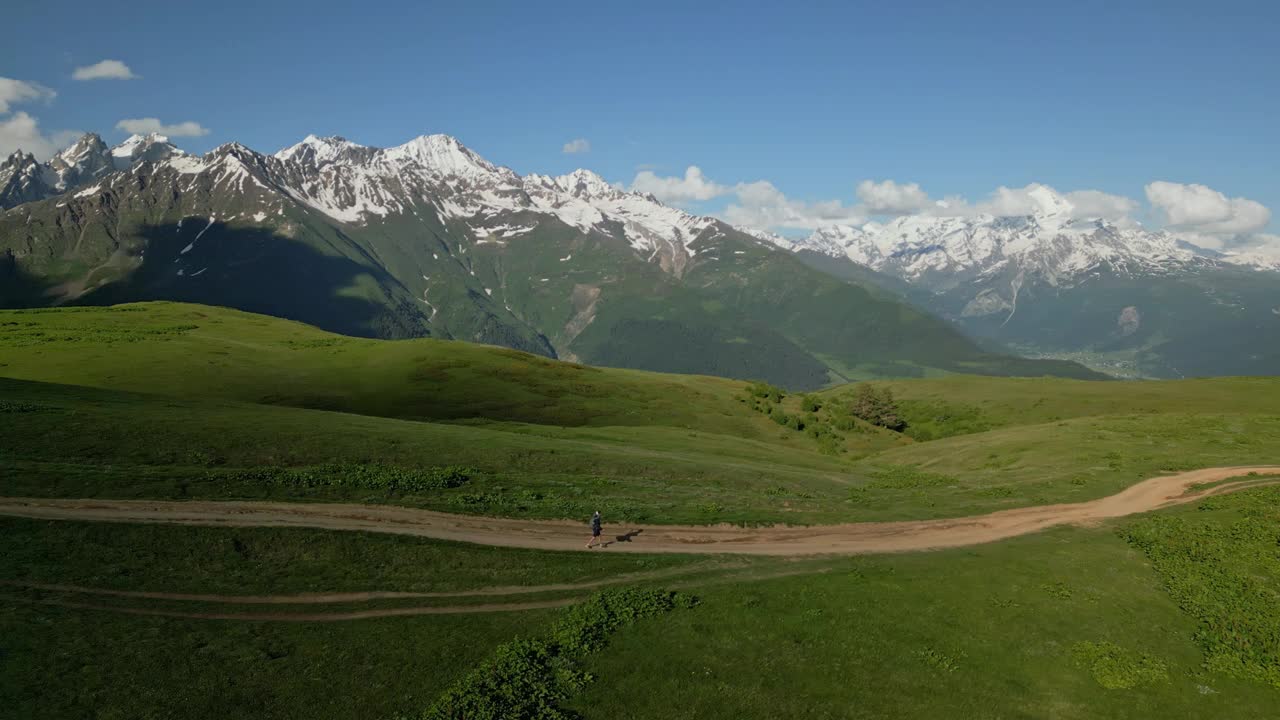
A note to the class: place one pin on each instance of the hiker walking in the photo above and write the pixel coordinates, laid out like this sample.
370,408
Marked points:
595,529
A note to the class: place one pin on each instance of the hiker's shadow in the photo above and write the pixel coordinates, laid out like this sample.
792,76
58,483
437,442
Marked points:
624,538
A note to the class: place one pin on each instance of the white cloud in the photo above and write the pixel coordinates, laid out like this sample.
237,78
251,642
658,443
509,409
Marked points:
890,198
761,205
1012,202
105,70
16,91
21,131
1265,242
694,186
1038,198
144,126
1097,204
577,145
1201,210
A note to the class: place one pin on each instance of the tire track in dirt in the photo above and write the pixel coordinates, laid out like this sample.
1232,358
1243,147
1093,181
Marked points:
355,597
846,539
733,574
310,617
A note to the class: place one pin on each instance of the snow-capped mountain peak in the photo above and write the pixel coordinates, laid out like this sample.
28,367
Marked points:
318,148
152,147
85,149
24,179
1050,205
444,156
585,184
321,151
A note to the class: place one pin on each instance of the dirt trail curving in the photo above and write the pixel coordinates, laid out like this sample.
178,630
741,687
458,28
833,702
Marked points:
848,539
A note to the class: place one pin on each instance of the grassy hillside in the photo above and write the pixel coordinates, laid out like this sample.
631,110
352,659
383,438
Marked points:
1085,622
199,351
1171,614
79,442
227,394
964,404
1072,623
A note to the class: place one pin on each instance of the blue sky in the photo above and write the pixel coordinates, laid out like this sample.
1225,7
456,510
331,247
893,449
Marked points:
813,98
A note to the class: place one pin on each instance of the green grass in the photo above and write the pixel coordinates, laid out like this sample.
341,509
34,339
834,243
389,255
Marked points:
962,404
1173,616
62,663
1079,625
97,443
551,439
94,443
1220,565
1066,461
263,561
197,351
1067,624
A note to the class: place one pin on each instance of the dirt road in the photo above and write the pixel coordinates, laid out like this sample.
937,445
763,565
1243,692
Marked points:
848,539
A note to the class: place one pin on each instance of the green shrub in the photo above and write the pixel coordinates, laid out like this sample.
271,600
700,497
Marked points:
10,406
586,627
810,404
938,660
936,419
1224,572
766,391
923,434
529,679
367,476
780,491
907,477
1058,590
845,423
519,681
1116,668
996,491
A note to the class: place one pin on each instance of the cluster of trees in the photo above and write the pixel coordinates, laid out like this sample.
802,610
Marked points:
877,407
767,392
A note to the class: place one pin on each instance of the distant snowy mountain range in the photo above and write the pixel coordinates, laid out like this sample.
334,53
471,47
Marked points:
431,217
430,239
1049,243
1125,299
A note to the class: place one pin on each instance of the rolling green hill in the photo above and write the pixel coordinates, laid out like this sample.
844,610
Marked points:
548,435
1169,613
